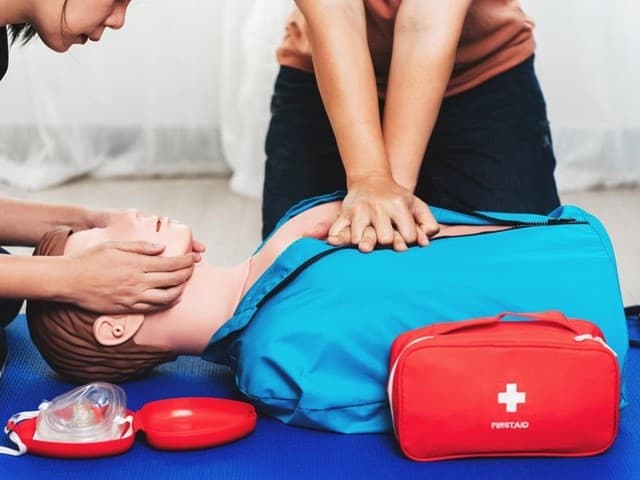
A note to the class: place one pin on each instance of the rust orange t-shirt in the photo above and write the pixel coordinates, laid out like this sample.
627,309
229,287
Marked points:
496,36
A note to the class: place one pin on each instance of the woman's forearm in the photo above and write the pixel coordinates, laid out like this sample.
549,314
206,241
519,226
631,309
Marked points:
24,223
347,83
425,41
34,277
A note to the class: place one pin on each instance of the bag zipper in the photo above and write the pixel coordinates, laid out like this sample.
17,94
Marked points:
600,340
577,338
392,375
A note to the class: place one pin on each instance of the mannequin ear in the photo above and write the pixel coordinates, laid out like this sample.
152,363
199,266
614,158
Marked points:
111,330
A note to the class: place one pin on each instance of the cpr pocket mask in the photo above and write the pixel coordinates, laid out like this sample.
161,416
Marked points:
93,421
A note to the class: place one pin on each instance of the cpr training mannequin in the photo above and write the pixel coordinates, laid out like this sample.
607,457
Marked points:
83,346
307,326
209,299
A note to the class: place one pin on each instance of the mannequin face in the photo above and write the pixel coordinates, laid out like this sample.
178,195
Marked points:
113,330
61,24
131,226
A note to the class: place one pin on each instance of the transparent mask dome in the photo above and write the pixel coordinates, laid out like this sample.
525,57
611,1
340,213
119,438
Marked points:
91,413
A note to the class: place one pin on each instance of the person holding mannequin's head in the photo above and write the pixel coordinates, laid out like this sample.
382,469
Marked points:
139,279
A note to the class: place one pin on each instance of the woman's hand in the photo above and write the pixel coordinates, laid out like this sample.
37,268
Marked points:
426,226
379,211
125,277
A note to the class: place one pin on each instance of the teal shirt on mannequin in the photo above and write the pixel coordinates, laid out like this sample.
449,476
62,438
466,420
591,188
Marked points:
309,342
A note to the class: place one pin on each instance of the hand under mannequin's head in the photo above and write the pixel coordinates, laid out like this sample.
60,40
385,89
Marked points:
85,346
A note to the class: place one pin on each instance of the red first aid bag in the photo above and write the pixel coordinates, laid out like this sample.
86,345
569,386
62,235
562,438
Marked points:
547,386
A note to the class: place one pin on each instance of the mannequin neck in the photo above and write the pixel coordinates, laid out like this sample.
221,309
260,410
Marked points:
213,293
209,299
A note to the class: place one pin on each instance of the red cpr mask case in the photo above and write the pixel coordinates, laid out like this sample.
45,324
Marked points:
93,421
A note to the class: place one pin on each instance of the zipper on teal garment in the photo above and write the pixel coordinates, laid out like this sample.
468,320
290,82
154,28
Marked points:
512,224
501,221
294,273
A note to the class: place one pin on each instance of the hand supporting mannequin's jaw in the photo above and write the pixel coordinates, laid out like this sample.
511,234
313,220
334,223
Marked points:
84,346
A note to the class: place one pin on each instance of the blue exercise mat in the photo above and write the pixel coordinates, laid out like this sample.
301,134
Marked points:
275,450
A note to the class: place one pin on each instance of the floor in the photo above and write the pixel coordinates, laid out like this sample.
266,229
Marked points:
230,225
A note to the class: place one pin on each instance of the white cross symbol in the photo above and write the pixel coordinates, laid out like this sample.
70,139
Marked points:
512,397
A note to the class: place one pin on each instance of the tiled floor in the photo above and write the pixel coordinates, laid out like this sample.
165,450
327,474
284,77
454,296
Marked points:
230,225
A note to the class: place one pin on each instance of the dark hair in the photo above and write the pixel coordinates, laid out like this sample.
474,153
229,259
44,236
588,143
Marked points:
23,32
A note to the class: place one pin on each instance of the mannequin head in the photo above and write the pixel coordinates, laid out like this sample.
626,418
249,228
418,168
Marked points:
62,23
82,345
131,225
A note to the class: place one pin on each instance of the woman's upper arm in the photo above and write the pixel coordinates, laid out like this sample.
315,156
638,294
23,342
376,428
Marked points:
416,16
316,11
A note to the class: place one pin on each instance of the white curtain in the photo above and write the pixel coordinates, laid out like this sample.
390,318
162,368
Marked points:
248,72
185,87
587,61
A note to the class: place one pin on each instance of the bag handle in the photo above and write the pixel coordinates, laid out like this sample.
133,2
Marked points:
554,317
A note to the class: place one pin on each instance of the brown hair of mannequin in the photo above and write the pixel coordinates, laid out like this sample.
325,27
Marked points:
63,334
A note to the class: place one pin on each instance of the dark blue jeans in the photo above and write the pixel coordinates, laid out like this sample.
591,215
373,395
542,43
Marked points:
490,149
9,308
